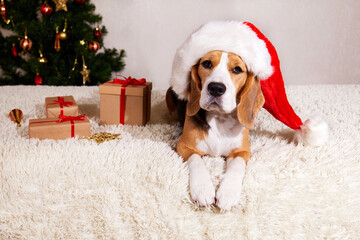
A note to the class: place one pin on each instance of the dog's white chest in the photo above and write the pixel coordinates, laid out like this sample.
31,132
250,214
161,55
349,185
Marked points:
224,135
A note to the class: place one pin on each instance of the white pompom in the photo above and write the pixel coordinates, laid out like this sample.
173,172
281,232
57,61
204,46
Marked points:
314,132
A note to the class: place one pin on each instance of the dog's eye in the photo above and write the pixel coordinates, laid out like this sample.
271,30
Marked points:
206,64
237,70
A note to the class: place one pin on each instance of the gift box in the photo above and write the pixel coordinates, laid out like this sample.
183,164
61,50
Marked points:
62,105
59,128
125,101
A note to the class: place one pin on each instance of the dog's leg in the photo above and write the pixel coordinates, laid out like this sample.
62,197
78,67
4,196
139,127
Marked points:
229,192
201,188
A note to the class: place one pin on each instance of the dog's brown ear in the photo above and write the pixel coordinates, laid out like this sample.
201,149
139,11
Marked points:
251,100
170,103
194,93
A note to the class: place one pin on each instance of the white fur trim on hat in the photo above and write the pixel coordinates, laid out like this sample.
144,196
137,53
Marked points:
228,36
314,132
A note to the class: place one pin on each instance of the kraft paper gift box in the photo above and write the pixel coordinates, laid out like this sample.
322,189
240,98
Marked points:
64,105
59,128
124,103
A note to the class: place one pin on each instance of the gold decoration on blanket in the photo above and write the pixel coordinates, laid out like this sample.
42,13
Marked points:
102,137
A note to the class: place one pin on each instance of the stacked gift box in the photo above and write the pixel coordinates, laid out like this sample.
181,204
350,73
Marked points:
64,105
63,120
122,101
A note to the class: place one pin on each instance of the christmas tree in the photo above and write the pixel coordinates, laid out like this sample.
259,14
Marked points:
54,43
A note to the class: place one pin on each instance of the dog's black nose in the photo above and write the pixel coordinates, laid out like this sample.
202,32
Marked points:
216,89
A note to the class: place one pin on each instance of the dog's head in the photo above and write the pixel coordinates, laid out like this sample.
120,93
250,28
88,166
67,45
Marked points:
220,82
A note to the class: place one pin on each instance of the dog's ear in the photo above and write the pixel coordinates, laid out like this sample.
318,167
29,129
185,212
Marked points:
251,100
194,92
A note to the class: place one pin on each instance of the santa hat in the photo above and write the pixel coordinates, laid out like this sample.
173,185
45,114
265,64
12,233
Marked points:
260,57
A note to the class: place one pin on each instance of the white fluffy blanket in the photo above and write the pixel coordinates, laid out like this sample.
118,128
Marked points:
136,187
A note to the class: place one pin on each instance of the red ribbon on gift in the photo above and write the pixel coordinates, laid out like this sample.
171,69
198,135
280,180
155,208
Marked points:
63,118
61,101
126,82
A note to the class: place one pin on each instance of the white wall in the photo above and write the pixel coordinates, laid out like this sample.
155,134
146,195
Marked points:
318,41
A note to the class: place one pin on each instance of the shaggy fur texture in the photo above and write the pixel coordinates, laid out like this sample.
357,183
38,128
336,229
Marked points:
136,187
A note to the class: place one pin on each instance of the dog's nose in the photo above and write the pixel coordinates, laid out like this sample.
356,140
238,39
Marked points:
216,89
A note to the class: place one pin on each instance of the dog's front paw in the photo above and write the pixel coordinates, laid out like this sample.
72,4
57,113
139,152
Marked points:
201,188
229,192
202,191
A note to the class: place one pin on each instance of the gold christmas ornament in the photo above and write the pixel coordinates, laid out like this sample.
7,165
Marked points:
26,43
42,59
60,5
85,72
16,116
102,137
75,63
94,46
63,34
73,68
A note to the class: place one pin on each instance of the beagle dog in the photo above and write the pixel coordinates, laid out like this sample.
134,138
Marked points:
223,100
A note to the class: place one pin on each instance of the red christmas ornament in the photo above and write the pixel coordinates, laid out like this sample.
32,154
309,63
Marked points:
14,50
2,9
26,43
46,9
16,116
38,79
98,33
57,40
3,12
80,1
94,46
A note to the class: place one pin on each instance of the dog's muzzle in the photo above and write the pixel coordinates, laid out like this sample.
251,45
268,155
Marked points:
216,89
214,97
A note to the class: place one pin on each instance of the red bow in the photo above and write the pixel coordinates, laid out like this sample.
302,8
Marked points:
63,118
129,81
61,102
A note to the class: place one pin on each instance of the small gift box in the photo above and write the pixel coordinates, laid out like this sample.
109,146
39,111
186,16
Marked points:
63,105
125,101
59,128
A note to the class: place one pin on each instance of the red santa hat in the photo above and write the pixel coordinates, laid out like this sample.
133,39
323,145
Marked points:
260,57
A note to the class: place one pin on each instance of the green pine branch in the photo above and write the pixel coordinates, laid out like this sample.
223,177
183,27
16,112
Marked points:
59,69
